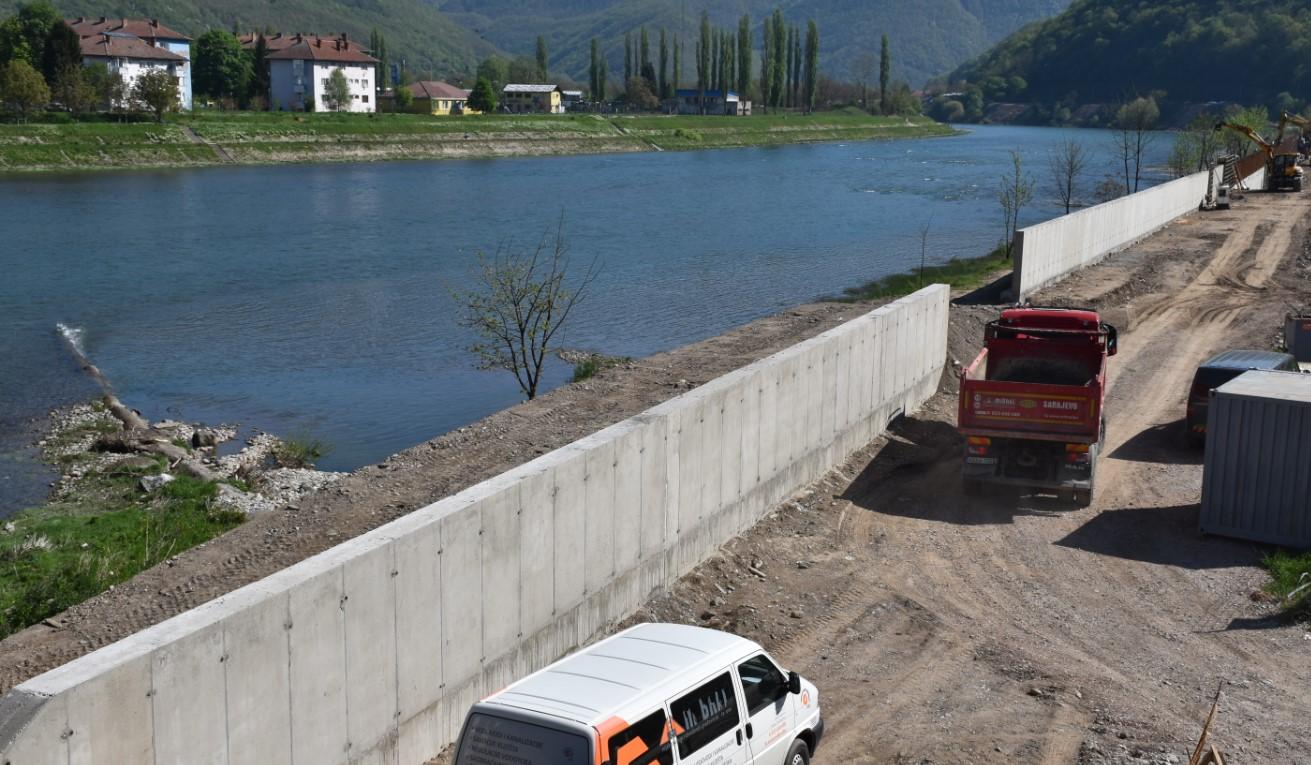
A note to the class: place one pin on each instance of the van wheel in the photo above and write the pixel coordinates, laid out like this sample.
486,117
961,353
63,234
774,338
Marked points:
799,754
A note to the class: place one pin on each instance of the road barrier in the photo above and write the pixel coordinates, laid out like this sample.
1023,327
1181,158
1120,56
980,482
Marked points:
1047,252
372,651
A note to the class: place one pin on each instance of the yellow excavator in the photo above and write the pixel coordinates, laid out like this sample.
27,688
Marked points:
1303,140
1282,173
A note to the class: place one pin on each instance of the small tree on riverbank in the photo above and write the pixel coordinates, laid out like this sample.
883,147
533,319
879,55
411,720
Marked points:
337,96
1016,192
157,91
1067,162
1134,123
22,89
518,307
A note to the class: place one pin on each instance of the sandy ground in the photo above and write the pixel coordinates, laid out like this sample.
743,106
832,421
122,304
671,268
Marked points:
939,628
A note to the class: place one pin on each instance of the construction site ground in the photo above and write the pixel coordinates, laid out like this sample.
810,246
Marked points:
940,628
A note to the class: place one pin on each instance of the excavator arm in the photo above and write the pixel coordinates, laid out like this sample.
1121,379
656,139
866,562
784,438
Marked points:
1256,138
1286,119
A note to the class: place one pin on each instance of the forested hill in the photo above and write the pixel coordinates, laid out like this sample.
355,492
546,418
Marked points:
415,30
1249,51
928,37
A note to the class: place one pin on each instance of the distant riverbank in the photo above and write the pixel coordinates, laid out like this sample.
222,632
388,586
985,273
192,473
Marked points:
249,138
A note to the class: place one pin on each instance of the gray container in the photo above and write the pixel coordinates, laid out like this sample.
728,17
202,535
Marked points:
1257,480
1297,337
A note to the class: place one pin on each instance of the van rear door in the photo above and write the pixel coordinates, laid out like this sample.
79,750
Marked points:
490,739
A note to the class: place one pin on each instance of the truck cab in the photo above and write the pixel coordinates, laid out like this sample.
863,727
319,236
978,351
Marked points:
1031,403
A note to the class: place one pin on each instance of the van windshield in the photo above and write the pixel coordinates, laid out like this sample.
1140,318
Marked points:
491,740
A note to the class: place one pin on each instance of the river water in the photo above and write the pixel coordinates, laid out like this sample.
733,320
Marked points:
313,300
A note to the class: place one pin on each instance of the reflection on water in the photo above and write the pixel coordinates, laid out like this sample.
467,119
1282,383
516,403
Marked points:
314,299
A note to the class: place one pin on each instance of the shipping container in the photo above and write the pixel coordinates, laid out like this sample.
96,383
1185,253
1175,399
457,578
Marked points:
1257,479
1297,338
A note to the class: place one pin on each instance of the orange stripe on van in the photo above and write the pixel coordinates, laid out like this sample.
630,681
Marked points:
604,731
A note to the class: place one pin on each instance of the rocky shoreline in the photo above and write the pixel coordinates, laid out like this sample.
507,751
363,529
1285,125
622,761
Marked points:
85,441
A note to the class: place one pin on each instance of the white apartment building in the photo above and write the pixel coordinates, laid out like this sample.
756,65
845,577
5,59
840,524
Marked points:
300,67
132,47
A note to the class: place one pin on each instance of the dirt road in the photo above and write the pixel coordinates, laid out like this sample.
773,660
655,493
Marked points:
942,628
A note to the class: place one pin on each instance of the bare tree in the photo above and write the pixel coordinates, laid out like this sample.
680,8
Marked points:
1016,192
924,247
1134,123
519,306
1067,162
863,69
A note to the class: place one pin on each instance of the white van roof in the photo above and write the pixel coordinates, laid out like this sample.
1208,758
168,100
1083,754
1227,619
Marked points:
638,667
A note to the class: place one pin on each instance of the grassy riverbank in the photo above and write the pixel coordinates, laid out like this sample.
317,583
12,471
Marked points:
960,273
100,527
216,138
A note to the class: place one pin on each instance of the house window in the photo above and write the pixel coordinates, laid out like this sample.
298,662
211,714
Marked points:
364,98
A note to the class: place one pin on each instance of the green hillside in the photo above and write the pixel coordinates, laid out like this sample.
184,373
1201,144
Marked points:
1249,51
415,31
928,37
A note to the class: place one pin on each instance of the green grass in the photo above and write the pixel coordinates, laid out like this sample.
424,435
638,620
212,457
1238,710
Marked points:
586,369
1288,573
67,551
261,137
960,273
96,144
698,132
299,452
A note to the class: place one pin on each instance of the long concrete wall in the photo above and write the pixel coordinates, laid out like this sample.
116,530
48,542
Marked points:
1048,251
372,652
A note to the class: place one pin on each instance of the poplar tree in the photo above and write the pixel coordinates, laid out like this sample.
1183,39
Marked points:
664,64
602,77
885,74
779,59
646,52
542,59
796,66
703,60
812,65
726,50
678,65
716,63
744,56
787,90
628,56
766,60
593,69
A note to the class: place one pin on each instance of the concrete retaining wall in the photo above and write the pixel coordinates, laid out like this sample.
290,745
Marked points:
372,652
1049,251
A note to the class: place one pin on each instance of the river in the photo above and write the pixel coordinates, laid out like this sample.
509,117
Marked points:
314,300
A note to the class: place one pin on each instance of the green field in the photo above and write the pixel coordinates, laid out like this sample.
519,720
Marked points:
272,137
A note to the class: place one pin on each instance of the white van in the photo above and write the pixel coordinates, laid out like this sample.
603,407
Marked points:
655,694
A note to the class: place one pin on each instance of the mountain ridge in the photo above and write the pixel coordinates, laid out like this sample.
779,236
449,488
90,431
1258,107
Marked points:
1248,51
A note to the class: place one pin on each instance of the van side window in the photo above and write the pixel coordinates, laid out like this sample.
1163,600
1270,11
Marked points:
705,714
762,683
642,743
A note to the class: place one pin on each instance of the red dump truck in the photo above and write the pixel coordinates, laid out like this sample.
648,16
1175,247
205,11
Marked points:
1031,403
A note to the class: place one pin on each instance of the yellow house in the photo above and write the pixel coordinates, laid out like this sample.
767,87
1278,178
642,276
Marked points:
436,98
532,99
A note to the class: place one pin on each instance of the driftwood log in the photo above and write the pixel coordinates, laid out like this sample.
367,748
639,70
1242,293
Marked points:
137,434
